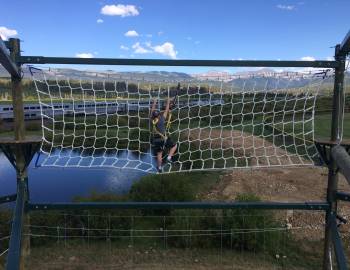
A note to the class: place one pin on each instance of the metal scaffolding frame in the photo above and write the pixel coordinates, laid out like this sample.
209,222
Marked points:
20,151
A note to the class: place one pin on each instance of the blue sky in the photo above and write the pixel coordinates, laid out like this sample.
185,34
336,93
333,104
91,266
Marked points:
182,29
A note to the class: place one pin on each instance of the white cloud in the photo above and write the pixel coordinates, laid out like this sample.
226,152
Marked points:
131,33
84,55
308,58
149,35
167,49
99,21
139,49
120,10
330,58
124,48
286,7
6,33
160,33
189,38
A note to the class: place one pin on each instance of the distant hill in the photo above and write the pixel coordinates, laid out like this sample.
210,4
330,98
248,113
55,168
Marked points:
248,79
107,74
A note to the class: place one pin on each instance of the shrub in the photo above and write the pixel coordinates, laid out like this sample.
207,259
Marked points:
193,228
247,226
243,229
162,188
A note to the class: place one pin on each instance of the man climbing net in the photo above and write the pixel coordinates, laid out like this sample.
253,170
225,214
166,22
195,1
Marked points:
161,141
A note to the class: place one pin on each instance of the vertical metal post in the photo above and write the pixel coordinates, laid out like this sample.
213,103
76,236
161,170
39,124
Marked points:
336,136
14,255
19,134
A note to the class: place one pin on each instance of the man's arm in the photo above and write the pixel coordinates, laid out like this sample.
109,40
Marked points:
165,114
153,107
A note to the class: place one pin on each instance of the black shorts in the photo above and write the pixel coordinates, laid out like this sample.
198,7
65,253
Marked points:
159,144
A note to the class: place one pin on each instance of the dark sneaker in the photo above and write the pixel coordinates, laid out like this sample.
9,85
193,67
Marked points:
159,169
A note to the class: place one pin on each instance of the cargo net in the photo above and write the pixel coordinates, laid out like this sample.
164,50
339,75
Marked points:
215,122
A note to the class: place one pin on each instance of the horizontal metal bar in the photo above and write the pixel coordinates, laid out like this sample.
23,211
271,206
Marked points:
179,205
342,160
14,254
345,45
8,198
168,62
6,61
338,245
343,196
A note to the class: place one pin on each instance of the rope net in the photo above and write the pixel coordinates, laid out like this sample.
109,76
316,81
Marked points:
214,123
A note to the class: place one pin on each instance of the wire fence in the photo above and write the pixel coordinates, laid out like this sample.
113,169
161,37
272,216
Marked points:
5,230
180,239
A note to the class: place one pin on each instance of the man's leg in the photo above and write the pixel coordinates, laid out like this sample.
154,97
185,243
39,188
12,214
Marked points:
172,151
159,160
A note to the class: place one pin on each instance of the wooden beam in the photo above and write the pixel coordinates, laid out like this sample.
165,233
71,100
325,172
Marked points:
345,45
342,160
6,61
17,93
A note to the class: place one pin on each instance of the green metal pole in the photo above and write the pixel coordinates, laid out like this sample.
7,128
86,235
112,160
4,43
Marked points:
336,135
312,206
175,62
14,254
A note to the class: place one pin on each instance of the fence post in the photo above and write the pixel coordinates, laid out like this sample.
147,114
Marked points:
17,93
19,130
336,136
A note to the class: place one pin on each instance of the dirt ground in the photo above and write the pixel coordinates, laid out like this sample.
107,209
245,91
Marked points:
283,184
258,151
100,257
